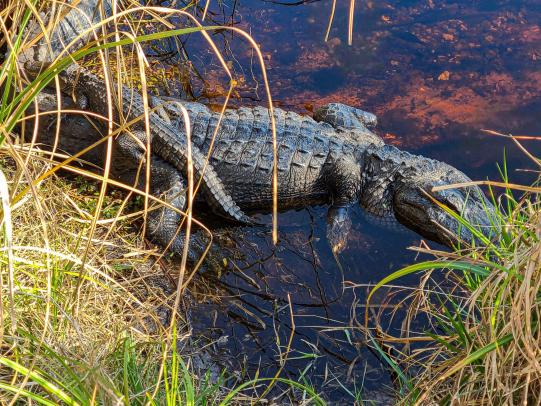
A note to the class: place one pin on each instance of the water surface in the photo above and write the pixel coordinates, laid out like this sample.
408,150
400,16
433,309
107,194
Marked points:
436,73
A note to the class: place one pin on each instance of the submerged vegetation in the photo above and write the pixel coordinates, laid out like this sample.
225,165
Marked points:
90,316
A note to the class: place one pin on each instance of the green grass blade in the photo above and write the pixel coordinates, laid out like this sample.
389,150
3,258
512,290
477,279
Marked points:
29,395
403,378
125,369
429,265
314,397
188,384
477,355
36,377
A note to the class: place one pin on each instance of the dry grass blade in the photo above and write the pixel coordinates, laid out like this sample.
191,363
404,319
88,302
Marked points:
331,20
283,357
7,226
505,185
350,21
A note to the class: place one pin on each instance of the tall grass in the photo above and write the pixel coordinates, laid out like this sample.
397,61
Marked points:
480,306
81,297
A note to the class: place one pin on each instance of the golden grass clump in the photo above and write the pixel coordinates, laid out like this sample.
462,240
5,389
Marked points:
62,301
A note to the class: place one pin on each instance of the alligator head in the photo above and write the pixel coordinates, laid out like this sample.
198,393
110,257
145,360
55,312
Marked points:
411,181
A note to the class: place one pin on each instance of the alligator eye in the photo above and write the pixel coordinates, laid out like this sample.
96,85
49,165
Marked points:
452,203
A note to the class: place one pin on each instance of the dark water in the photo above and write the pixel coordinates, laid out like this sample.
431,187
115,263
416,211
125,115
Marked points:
435,72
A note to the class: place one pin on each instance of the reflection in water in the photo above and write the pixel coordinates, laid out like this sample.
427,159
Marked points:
250,304
435,73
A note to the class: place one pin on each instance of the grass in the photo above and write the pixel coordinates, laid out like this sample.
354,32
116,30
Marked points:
482,306
82,296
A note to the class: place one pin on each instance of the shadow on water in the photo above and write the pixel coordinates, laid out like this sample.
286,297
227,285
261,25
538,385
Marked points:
249,312
435,73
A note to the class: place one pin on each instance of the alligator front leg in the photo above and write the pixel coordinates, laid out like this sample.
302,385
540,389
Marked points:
166,183
344,180
165,224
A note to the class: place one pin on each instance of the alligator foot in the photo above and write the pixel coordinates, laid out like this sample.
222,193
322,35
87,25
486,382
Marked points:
157,105
338,227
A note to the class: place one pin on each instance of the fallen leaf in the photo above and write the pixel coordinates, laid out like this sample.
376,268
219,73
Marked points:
444,75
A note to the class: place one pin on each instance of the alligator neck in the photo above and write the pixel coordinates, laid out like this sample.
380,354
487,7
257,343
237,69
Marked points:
381,165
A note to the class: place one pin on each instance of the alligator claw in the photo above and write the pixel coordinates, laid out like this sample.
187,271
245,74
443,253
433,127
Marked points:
251,221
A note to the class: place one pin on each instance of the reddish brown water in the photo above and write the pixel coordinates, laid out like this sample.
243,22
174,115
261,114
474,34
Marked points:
435,72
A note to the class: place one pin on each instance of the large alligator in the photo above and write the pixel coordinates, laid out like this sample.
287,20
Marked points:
333,159
336,160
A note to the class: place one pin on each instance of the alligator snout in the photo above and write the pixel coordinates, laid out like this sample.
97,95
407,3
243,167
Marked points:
446,215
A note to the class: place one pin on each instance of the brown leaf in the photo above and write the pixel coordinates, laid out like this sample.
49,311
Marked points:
444,75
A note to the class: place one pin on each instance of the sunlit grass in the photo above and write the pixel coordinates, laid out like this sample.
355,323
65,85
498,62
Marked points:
481,305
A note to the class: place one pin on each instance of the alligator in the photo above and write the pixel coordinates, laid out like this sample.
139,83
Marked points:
333,158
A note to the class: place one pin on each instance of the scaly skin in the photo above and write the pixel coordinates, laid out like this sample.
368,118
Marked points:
91,92
166,182
321,163
315,146
167,175
76,20
169,158
317,163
